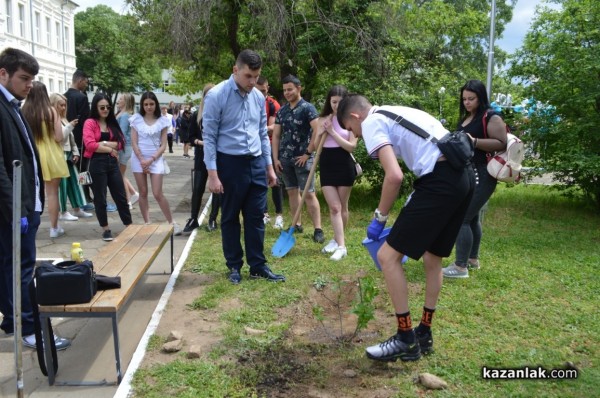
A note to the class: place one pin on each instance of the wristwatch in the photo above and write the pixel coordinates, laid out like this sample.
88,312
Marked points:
308,153
380,217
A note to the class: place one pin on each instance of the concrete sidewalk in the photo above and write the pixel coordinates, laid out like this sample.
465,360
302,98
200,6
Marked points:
91,356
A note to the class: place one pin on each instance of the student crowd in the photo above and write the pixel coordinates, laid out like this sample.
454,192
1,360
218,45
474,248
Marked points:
245,142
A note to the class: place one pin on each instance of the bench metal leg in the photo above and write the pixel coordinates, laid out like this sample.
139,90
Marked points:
48,349
117,350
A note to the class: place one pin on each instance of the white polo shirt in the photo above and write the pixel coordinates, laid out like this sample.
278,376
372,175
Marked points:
418,154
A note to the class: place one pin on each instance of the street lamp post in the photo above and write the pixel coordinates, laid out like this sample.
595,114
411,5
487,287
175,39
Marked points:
490,66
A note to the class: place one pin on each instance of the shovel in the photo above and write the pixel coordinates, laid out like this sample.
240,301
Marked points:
286,240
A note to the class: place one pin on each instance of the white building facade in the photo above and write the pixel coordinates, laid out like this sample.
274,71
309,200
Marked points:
46,30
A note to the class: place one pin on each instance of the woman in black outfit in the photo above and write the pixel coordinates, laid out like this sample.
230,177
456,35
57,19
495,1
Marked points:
200,172
474,107
185,122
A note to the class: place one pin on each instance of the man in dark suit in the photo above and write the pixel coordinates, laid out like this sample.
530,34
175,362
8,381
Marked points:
17,71
78,107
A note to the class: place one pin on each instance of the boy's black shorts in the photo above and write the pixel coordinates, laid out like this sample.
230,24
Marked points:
433,213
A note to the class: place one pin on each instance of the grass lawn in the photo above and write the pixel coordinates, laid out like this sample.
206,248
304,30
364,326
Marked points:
533,303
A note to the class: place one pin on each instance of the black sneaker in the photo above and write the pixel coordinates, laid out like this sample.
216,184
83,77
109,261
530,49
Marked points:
191,225
425,342
212,225
318,235
393,349
298,228
107,236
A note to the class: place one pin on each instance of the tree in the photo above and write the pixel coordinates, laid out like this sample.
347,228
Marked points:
559,62
395,52
112,50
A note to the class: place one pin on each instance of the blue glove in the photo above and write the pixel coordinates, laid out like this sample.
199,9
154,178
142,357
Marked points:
24,225
375,229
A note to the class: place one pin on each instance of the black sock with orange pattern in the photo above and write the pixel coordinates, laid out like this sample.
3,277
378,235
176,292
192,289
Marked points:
425,325
405,328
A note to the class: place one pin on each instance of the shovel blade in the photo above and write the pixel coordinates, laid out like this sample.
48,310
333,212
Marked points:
284,243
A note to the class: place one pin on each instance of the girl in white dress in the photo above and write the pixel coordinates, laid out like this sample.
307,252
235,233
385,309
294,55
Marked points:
149,141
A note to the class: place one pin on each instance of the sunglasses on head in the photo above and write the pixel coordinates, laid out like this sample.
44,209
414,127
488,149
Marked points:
104,107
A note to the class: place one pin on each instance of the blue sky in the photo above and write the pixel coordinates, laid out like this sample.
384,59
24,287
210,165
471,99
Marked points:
512,37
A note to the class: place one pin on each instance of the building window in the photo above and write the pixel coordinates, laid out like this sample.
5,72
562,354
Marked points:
48,32
22,20
51,85
38,27
58,37
8,10
66,39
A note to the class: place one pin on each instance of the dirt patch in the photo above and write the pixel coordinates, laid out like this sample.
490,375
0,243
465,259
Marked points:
200,328
312,361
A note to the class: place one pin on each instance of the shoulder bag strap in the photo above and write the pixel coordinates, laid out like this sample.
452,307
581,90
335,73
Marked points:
39,343
407,124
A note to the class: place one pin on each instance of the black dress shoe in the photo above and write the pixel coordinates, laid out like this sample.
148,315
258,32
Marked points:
265,272
235,277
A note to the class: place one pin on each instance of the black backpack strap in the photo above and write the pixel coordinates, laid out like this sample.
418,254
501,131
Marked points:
407,124
39,343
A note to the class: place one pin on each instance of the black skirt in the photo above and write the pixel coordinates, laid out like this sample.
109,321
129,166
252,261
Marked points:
336,168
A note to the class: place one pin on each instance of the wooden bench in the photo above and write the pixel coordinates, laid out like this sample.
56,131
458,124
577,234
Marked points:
128,256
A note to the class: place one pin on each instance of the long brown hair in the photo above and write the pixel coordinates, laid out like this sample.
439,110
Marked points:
37,110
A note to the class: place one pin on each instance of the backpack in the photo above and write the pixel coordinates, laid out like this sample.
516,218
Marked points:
506,165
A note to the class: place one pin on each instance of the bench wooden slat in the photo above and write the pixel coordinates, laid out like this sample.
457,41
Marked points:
128,256
109,251
111,300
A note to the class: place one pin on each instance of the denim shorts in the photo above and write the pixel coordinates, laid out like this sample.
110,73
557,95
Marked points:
294,177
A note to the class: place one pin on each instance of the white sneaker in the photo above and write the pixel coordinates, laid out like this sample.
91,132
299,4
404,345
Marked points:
176,229
56,232
66,216
278,222
330,247
266,219
339,253
82,214
134,198
60,342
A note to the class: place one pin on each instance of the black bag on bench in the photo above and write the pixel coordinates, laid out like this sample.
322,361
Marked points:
64,283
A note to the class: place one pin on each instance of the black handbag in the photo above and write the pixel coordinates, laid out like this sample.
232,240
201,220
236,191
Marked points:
64,283
456,146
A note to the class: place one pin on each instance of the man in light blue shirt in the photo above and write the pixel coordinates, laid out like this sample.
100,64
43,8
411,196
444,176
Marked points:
237,154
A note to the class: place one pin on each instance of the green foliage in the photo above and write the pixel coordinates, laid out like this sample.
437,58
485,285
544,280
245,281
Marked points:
390,51
113,51
364,307
560,62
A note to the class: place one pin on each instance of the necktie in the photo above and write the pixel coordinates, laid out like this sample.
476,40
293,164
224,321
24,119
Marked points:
17,107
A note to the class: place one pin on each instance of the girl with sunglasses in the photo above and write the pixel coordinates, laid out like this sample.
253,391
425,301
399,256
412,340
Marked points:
103,139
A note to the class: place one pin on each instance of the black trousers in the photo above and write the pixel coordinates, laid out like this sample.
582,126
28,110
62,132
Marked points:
105,172
200,178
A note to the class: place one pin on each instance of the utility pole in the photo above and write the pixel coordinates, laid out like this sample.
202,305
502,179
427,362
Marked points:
490,66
